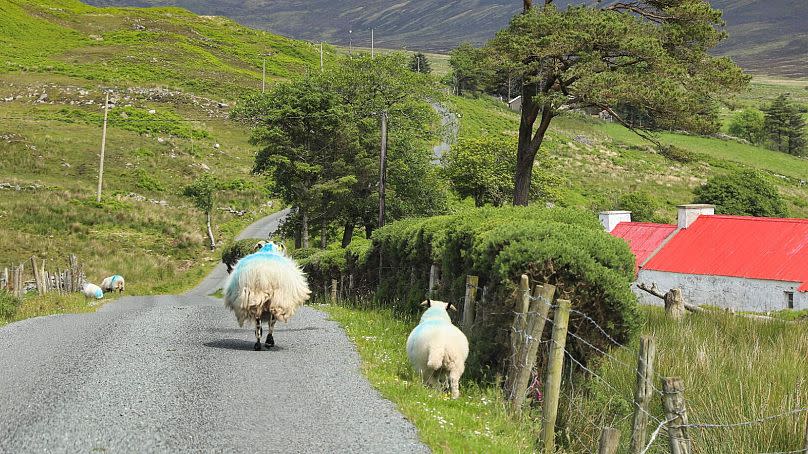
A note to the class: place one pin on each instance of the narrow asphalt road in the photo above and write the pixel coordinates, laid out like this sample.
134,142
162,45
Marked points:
175,373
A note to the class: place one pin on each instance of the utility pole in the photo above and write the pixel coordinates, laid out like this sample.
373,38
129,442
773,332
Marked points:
382,168
372,45
321,56
418,63
103,148
350,43
264,76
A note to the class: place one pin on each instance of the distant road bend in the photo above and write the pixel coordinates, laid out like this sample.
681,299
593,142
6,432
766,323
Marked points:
174,373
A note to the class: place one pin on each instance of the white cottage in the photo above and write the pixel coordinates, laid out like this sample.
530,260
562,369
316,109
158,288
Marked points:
734,262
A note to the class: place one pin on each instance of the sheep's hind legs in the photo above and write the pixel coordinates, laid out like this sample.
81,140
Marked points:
258,332
271,325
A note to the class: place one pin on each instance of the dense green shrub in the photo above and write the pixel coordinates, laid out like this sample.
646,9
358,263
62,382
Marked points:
8,305
564,247
235,251
643,206
744,193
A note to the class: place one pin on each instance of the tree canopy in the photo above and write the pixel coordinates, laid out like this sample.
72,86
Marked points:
784,126
650,54
320,140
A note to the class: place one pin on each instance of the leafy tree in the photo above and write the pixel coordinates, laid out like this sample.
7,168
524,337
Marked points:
744,193
306,143
482,168
201,192
370,87
467,69
650,54
785,126
420,64
748,124
320,140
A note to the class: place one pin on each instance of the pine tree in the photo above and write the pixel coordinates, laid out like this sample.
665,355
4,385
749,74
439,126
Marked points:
784,126
420,64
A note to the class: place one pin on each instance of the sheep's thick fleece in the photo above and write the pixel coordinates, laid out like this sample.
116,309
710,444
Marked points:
436,347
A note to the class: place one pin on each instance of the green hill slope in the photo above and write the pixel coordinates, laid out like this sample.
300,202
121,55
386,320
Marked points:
172,77
591,163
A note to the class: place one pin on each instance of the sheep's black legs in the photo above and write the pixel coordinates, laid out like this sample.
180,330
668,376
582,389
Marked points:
271,325
258,332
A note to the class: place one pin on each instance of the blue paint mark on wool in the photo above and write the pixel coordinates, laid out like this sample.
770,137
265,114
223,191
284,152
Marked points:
435,314
116,278
99,294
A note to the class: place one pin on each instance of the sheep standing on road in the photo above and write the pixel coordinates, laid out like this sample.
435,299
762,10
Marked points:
437,348
114,282
92,291
266,286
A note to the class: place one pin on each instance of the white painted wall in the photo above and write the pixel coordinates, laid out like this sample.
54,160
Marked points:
758,295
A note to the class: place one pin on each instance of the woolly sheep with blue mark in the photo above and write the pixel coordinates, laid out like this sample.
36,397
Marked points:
92,291
114,282
437,348
265,286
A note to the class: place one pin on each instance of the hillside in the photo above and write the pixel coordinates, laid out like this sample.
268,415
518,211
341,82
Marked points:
590,163
766,36
172,77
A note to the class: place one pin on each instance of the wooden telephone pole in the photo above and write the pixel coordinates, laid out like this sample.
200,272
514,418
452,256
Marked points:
103,148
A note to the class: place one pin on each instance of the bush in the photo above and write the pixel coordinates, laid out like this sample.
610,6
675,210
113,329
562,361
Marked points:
643,206
8,305
748,125
235,251
677,154
743,193
567,248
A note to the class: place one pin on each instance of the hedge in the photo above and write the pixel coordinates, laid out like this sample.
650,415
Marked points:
564,247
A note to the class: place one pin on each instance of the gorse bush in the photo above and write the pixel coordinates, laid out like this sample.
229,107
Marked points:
563,247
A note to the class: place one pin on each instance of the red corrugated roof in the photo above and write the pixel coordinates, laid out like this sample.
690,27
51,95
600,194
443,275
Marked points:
739,246
642,237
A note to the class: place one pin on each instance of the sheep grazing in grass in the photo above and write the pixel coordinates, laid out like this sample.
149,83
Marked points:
112,283
265,286
437,348
92,291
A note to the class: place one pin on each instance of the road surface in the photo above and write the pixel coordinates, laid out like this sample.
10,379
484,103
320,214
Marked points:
175,373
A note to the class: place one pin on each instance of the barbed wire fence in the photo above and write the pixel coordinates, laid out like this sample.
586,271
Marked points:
536,313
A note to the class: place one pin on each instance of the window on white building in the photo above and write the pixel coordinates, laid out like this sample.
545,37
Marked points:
790,300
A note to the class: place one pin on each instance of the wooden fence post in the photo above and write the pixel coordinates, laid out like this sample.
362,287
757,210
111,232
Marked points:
674,304
643,392
37,277
468,303
609,441
333,290
673,400
74,273
525,358
44,276
5,278
518,329
552,386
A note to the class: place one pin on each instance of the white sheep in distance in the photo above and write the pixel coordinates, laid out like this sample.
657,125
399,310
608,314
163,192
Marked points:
437,348
266,286
114,282
92,291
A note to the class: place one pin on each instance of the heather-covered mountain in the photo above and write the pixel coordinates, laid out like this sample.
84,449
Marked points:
767,36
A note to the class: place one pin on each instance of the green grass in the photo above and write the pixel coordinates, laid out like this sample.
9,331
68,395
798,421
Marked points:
735,369
476,422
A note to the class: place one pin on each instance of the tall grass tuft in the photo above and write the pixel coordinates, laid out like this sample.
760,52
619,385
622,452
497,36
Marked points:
735,369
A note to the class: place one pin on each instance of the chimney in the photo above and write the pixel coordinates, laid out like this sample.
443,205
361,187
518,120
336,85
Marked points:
689,213
610,219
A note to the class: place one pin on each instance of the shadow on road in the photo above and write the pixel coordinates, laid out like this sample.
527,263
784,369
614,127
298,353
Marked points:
237,344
